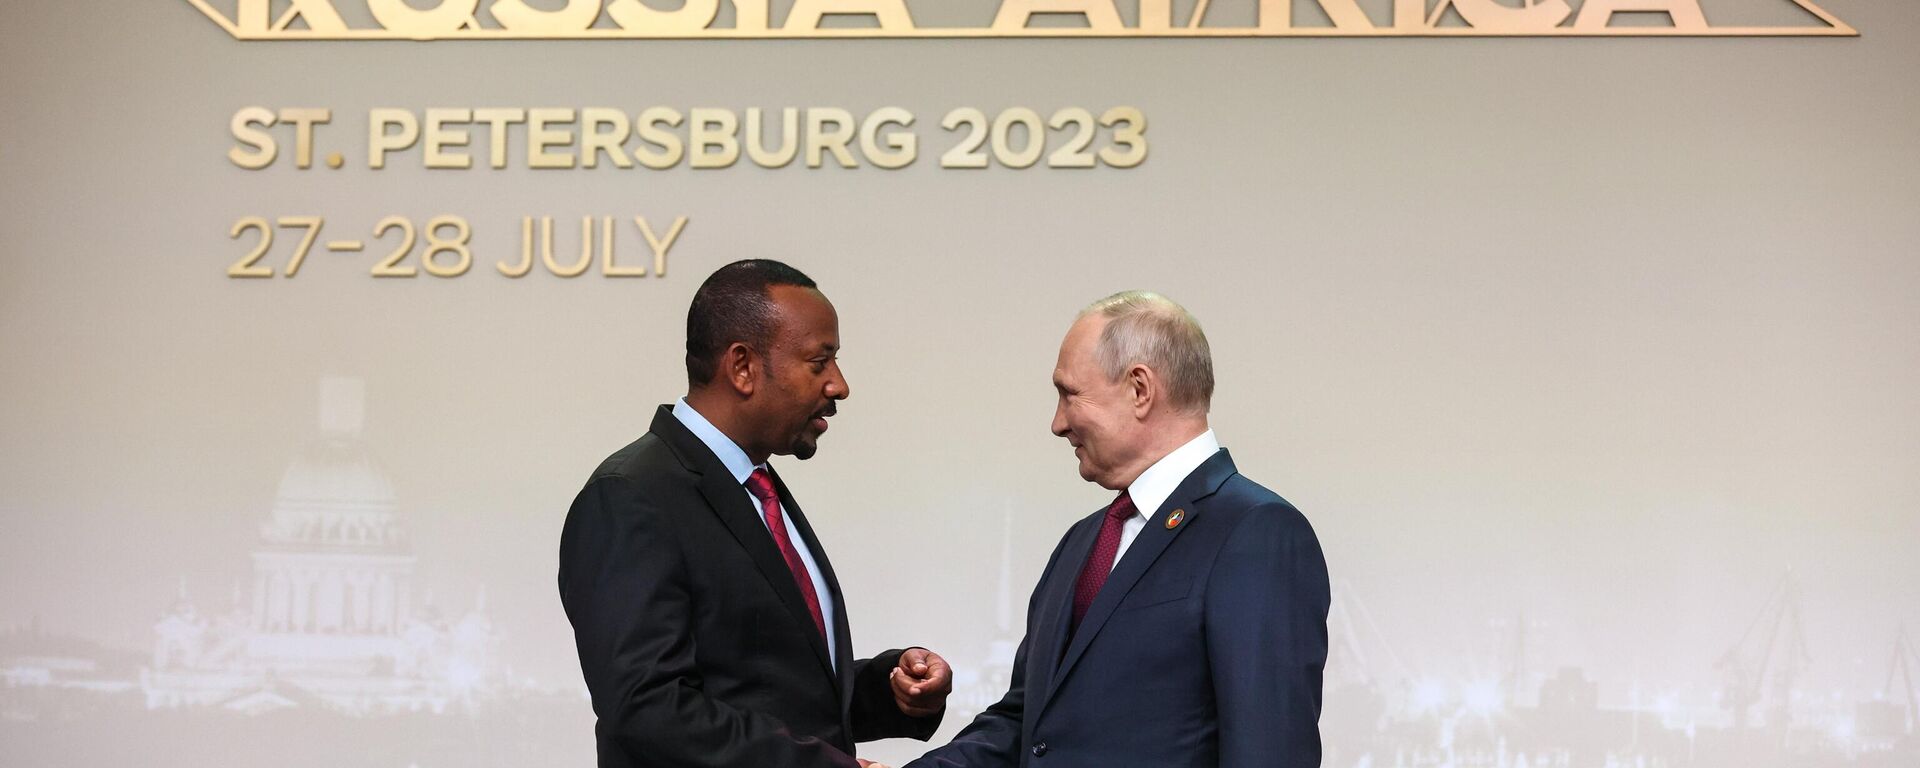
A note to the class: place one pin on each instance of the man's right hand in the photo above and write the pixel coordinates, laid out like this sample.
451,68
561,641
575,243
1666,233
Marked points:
921,683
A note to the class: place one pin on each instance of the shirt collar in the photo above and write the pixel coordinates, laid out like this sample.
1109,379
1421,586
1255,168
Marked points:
1153,486
730,453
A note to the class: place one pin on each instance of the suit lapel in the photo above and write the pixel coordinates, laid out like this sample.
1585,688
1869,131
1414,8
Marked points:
1056,618
730,503
1140,557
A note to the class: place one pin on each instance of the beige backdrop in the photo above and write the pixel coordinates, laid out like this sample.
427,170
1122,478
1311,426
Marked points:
1592,362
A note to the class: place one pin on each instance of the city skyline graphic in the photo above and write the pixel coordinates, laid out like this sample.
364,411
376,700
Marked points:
329,650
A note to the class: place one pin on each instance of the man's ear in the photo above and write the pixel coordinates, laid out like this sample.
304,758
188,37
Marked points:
741,368
1144,387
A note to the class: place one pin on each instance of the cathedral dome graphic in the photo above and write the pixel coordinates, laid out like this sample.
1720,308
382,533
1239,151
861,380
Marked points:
331,612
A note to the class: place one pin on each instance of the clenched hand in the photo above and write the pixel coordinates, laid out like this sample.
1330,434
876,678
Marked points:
921,682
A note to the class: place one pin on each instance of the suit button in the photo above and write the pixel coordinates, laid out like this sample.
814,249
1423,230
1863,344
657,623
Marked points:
1040,749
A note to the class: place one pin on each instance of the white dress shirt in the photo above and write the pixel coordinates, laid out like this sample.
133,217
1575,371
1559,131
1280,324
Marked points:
1152,487
737,463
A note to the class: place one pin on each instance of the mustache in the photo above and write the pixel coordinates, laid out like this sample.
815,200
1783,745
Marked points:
828,411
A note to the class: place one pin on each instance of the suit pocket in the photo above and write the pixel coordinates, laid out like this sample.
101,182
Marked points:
1149,595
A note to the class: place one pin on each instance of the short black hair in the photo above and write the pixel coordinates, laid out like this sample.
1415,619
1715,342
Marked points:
735,304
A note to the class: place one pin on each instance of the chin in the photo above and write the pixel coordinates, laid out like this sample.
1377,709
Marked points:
1088,474
804,448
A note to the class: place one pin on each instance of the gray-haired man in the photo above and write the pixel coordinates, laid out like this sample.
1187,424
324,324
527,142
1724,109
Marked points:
1184,624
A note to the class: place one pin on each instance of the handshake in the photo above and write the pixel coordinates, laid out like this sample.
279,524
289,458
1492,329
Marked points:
920,684
688,534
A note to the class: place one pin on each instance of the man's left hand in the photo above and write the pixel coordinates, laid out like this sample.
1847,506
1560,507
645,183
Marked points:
921,683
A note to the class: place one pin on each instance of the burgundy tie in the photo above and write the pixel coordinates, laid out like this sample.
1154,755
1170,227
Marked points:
761,484
1100,563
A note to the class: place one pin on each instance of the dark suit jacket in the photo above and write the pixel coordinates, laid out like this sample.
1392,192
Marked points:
693,638
1204,648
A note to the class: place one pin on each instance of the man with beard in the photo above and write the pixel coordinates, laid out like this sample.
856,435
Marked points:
711,629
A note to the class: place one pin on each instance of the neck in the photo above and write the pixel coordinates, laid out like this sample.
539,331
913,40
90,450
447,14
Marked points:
1166,438
723,413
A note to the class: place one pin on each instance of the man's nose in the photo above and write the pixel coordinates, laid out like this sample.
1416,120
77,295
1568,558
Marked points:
837,384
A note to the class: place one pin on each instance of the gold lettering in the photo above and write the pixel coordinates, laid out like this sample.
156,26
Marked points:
265,148
1410,15
604,131
660,245
692,17
1157,15
497,120
1491,16
586,248
526,252
320,16
303,121
407,21
695,19
540,138
711,138
899,149
252,15
750,15
380,142
439,137
248,265
607,267
1129,130
822,139
670,150
1345,14
789,139
1100,14
1002,137
1598,14
892,14
516,15
1073,154
436,245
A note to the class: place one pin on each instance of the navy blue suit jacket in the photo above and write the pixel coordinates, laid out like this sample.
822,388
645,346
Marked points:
1204,648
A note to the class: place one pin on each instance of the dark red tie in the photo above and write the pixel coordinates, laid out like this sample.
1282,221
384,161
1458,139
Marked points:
761,484
1100,563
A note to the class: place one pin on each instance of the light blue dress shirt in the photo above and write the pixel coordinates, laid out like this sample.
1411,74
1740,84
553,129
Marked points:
737,462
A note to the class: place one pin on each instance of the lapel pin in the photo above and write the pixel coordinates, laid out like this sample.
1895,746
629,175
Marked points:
1173,520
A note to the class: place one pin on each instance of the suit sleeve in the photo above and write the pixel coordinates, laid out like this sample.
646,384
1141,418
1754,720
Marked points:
1266,629
623,581
993,739
874,713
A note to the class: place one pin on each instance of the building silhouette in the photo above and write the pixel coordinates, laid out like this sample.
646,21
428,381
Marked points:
330,619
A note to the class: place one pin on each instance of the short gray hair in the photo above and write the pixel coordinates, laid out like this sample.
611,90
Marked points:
1146,328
